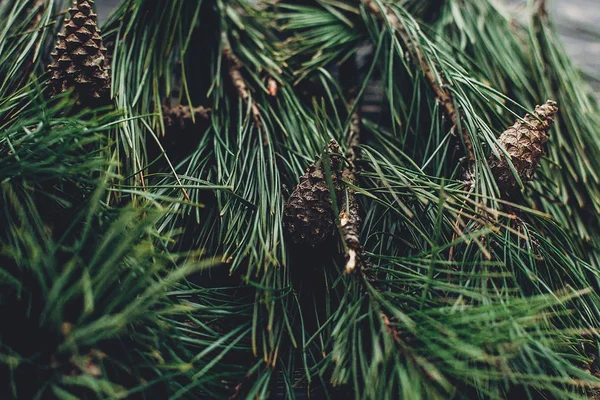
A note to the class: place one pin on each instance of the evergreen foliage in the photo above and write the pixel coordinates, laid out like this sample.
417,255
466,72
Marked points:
192,239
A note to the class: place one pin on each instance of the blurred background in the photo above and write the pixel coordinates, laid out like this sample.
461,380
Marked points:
579,24
578,21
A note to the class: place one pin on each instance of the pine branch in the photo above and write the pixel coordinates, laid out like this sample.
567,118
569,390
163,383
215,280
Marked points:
157,32
234,68
349,217
449,315
435,81
576,183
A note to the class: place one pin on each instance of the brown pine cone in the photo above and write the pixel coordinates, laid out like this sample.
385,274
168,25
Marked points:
178,119
524,143
308,213
80,60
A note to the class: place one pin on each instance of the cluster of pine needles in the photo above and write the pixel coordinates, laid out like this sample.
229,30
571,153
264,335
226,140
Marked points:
293,199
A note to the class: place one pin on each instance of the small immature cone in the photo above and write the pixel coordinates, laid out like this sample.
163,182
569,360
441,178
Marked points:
80,60
179,119
308,213
524,143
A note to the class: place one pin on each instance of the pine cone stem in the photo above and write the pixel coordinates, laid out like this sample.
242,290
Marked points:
444,96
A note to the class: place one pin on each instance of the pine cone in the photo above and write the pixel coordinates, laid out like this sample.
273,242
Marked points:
178,119
80,59
308,213
524,143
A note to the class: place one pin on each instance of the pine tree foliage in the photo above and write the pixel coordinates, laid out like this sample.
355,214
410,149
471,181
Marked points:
27,30
444,245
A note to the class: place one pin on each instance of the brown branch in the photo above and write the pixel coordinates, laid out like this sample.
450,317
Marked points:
443,95
235,66
350,221
390,328
349,217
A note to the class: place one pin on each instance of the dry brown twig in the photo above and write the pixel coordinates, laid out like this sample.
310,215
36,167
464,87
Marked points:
234,67
350,215
443,95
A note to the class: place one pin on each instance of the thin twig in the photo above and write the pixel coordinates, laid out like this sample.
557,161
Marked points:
349,216
443,95
350,221
235,66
